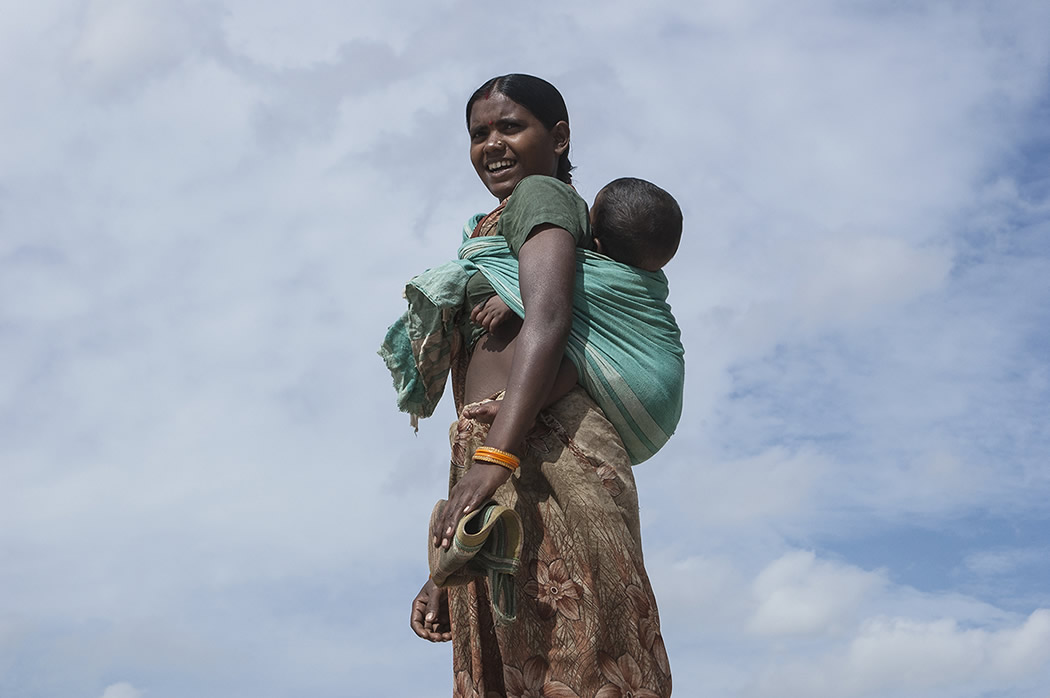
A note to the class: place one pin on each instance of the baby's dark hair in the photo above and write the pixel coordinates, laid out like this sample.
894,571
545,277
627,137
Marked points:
637,223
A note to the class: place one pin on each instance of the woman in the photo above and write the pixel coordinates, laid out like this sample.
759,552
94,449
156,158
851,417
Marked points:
587,621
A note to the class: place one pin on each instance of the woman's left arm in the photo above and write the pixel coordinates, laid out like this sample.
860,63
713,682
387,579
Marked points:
546,276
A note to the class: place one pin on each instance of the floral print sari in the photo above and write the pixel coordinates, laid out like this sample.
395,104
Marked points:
587,621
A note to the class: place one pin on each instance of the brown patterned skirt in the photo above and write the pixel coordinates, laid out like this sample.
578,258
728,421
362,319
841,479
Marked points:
587,621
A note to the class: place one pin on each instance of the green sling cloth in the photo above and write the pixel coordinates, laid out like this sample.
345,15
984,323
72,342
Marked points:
624,342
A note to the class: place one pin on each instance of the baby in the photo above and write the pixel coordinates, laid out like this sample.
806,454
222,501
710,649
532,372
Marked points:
633,222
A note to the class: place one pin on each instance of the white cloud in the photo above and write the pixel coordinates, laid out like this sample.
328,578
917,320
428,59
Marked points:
899,656
813,626
797,594
314,31
1003,562
207,213
121,690
123,44
899,650
775,483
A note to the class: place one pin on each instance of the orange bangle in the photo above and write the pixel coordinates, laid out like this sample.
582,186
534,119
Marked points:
489,451
495,456
492,461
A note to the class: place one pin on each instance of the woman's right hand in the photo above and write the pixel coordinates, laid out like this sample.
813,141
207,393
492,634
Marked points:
473,489
430,619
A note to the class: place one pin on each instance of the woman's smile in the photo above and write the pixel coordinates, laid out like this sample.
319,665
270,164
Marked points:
499,165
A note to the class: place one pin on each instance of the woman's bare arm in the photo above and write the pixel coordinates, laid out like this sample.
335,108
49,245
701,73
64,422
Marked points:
547,273
546,276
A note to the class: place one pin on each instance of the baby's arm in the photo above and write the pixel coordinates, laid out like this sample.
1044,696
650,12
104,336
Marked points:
494,315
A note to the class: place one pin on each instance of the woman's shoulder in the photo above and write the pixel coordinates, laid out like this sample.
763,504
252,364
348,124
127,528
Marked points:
539,200
545,186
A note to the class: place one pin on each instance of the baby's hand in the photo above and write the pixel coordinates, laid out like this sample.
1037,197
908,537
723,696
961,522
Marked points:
491,314
483,411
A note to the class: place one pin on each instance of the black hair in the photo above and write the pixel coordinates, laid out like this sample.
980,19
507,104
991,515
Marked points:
541,98
637,223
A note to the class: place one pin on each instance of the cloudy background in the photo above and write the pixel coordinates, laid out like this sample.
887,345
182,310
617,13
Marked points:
208,210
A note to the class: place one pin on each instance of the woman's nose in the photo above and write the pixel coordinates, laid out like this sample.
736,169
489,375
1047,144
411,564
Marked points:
494,142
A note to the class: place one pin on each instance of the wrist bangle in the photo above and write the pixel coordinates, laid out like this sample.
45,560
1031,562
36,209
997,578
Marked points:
495,456
492,461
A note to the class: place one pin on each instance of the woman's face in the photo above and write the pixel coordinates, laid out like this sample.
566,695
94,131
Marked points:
508,143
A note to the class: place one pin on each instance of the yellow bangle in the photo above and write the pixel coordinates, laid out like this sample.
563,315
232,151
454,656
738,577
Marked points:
495,456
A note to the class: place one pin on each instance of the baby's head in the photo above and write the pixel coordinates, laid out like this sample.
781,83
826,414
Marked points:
637,223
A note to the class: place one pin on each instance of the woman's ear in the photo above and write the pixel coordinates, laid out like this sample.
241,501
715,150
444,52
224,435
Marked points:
560,133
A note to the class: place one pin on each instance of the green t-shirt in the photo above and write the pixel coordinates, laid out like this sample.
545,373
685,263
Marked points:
536,200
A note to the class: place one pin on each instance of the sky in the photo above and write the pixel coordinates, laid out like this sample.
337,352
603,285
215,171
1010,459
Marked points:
208,212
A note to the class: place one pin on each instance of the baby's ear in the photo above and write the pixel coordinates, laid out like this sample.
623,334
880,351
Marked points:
598,246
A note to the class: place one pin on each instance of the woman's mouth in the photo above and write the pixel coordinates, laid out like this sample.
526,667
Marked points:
499,165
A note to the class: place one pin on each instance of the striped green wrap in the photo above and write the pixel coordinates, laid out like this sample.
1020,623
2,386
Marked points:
624,342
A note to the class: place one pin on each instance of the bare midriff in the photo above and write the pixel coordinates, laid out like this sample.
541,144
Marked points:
490,364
